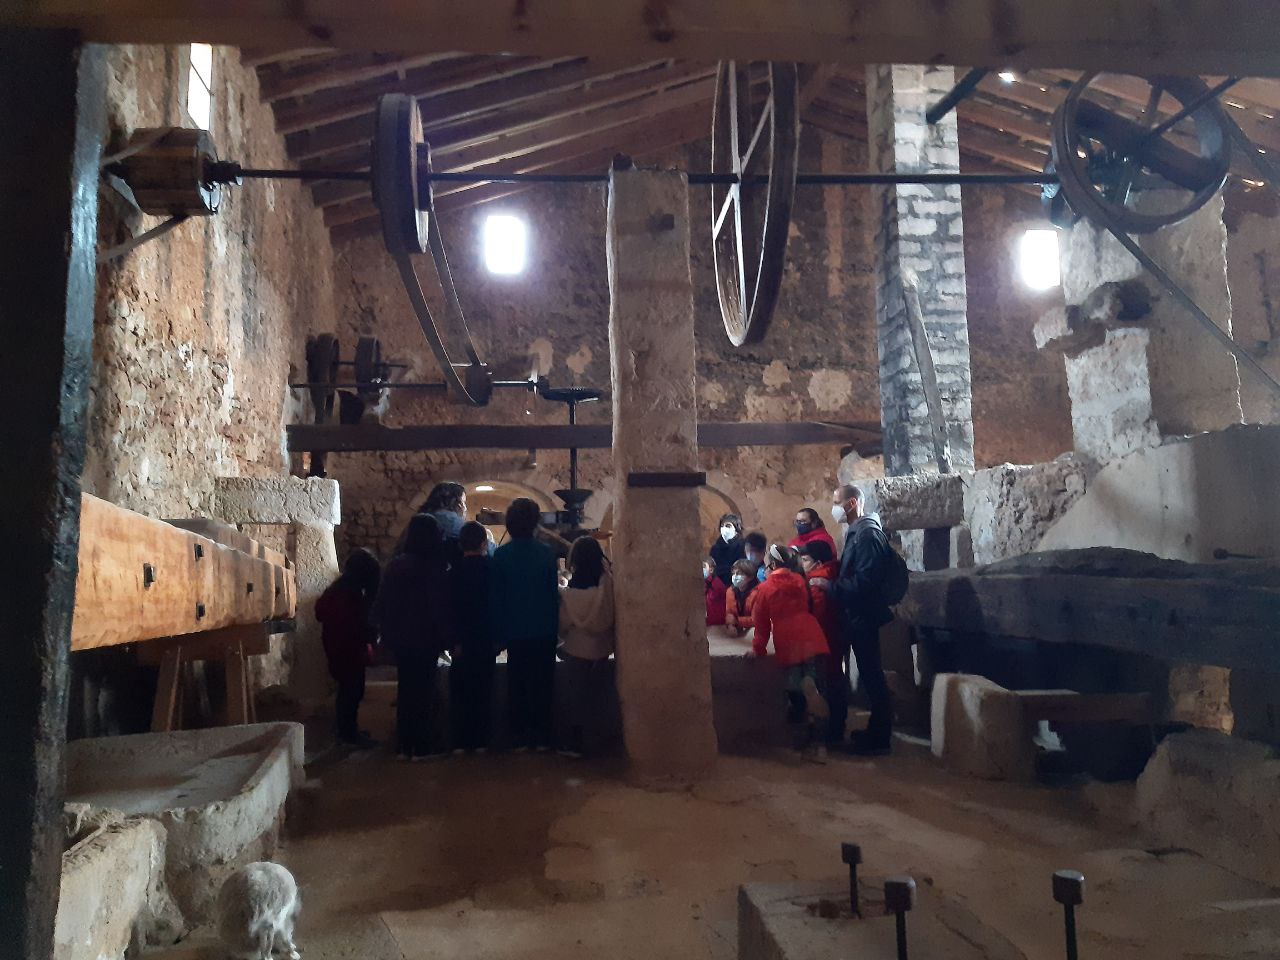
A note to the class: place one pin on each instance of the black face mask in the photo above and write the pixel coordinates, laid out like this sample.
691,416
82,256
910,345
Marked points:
803,527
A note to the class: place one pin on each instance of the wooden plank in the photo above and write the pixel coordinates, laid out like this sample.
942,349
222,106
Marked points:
1200,36
254,639
443,109
584,436
238,693
651,478
142,578
165,708
230,536
342,70
1068,706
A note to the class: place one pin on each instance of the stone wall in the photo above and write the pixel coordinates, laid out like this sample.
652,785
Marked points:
1252,218
193,333
818,361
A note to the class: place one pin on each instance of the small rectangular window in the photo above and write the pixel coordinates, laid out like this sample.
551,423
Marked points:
1038,261
505,243
200,85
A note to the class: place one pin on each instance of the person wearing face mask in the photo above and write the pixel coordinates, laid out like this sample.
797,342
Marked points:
738,602
809,529
756,545
858,595
729,547
820,569
716,591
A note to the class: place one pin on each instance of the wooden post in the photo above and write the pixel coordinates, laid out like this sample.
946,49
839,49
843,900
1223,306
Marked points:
52,113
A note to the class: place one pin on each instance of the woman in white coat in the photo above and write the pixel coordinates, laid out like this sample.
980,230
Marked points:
586,640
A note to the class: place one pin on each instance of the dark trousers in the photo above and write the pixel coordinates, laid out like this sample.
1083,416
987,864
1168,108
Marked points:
470,700
531,677
837,692
346,705
865,643
588,682
416,675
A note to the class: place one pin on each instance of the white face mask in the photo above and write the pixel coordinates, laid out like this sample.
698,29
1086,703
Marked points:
739,580
838,514
728,532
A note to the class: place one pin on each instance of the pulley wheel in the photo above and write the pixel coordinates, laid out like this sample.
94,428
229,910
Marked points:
1117,169
322,374
755,131
404,210
165,171
371,372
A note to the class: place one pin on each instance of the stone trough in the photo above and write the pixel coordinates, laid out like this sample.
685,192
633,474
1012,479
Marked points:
219,795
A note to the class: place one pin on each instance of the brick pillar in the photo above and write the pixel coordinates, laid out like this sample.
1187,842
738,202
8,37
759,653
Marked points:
664,671
920,229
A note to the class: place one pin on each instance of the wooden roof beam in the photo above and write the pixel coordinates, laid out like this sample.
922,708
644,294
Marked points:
342,70
509,92
1239,37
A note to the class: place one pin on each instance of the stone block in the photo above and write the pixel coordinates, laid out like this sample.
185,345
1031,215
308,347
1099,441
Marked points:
1010,508
978,729
113,894
277,500
1111,396
917,501
1217,795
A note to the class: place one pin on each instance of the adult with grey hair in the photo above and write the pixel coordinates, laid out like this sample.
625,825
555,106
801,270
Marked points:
858,596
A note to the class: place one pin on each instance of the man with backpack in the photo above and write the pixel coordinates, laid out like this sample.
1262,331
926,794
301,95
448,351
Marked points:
872,578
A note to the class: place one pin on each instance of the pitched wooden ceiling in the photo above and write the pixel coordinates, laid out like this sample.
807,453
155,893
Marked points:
526,114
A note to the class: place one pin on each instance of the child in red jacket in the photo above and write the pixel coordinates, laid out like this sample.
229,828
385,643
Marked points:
347,634
716,591
784,612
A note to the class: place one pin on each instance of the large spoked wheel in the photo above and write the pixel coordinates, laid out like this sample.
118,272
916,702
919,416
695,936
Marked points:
755,132
1128,170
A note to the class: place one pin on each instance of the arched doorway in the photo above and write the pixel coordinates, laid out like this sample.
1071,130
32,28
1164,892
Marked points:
488,500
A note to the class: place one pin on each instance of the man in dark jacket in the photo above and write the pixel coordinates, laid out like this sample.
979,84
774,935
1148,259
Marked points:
858,596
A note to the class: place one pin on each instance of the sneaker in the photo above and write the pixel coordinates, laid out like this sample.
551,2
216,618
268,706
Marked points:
814,702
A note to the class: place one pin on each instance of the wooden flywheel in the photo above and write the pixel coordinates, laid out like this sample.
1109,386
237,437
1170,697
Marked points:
755,134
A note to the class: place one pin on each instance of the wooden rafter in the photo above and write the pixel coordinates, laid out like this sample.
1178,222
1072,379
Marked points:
1197,36
340,70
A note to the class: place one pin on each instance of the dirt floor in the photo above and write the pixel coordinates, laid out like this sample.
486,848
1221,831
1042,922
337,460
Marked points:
536,856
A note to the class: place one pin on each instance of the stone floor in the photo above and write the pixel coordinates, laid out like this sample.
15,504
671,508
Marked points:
536,856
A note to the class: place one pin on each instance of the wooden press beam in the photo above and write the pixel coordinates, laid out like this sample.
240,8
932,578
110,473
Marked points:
583,436
1193,36
142,578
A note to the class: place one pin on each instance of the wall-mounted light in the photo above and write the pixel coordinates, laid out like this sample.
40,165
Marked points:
1008,76
484,488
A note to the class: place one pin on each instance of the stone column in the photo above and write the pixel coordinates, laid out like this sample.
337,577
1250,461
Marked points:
1139,367
664,675
312,507
920,231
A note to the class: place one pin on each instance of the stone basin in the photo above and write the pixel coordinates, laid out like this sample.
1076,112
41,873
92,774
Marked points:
218,793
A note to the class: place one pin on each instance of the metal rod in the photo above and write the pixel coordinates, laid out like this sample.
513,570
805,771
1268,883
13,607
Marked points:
729,179
1196,103
1069,915
159,230
357,385
964,86
902,937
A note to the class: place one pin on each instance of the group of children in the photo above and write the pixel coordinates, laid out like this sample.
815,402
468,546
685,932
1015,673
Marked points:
449,595
782,593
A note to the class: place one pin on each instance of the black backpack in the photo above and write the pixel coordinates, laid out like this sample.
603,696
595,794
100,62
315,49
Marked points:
896,577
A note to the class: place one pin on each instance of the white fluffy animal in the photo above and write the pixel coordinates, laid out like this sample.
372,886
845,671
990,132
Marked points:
257,909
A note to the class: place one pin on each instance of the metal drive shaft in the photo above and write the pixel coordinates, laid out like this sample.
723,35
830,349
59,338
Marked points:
899,898
851,854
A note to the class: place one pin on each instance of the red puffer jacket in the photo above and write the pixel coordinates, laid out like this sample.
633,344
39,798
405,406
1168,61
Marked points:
820,579
783,610
804,539
715,601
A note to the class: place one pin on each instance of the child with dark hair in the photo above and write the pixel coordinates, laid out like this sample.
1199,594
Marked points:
716,590
739,602
820,569
586,639
414,610
348,636
471,673
525,606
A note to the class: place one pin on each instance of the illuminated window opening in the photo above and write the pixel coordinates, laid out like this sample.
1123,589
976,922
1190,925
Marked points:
1038,262
200,85
505,244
